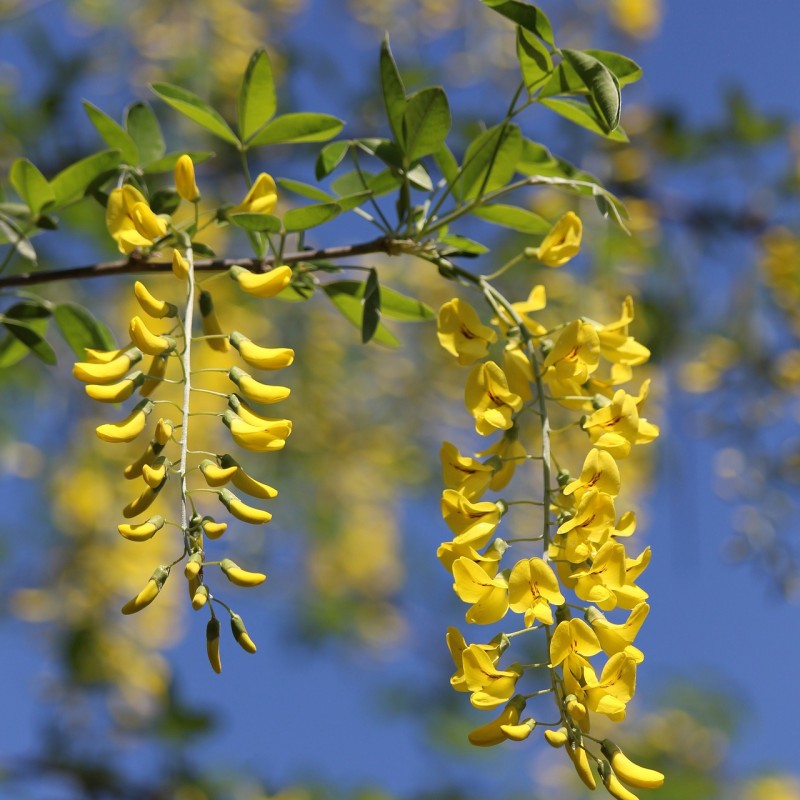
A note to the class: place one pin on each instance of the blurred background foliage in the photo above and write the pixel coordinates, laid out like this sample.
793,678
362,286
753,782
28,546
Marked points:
713,262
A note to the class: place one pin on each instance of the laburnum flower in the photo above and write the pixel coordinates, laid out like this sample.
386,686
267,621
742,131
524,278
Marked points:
599,472
574,357
489,561
518,370
490,686
472,523
618,637
572,637
616,686
597,581
589,527
537,300
504,727
617,426
464,474
457,645
261,199
562,242
461,332
185,180
511,452
130,220
489,399
618,347
489,596
532,587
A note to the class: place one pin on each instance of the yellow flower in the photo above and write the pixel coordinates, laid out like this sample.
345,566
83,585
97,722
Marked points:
472,523
466,475
489,596
184,179
616,638
489,686
261,198
616,686
461,332
489,399
532,587
130,220
562,242
600,472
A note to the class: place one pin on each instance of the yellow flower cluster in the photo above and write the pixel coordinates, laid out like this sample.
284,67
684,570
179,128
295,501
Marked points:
579,548
159,360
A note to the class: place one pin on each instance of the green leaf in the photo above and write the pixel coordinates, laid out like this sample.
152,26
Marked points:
203,250
296,128
142,125
167,163
534,59
347,297
305,190
518,219
196,109
426,122
164,201
11,232
461,245
72,183
584,115
447,164
603,86
490,161
419,177
31,185
112,133
379,183
257,102
80,329
349,201
261,223
329,158
36,317
625,70
301,219
404,308
529,17
28,336
371,315
394,93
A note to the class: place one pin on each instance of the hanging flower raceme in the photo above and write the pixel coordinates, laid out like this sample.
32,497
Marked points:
574,557
161,358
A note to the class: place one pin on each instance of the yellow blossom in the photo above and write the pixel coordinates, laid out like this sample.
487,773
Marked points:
261,198
185,180
562,242
130,221
532,587
461,332
489,399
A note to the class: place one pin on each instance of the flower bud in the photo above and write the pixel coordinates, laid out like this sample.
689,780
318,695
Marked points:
185,180
241,635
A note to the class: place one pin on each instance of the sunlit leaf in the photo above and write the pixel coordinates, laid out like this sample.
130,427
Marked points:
518,219
31,185
301,219
297,128
112,133
329,158
143,127
347,296
534,58
584,115
426,122
257,102
81,329
394,93
602,85
490,161
72,183
530,17
260,223
196,109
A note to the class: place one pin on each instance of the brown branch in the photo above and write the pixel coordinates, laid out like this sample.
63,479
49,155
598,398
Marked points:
133,265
